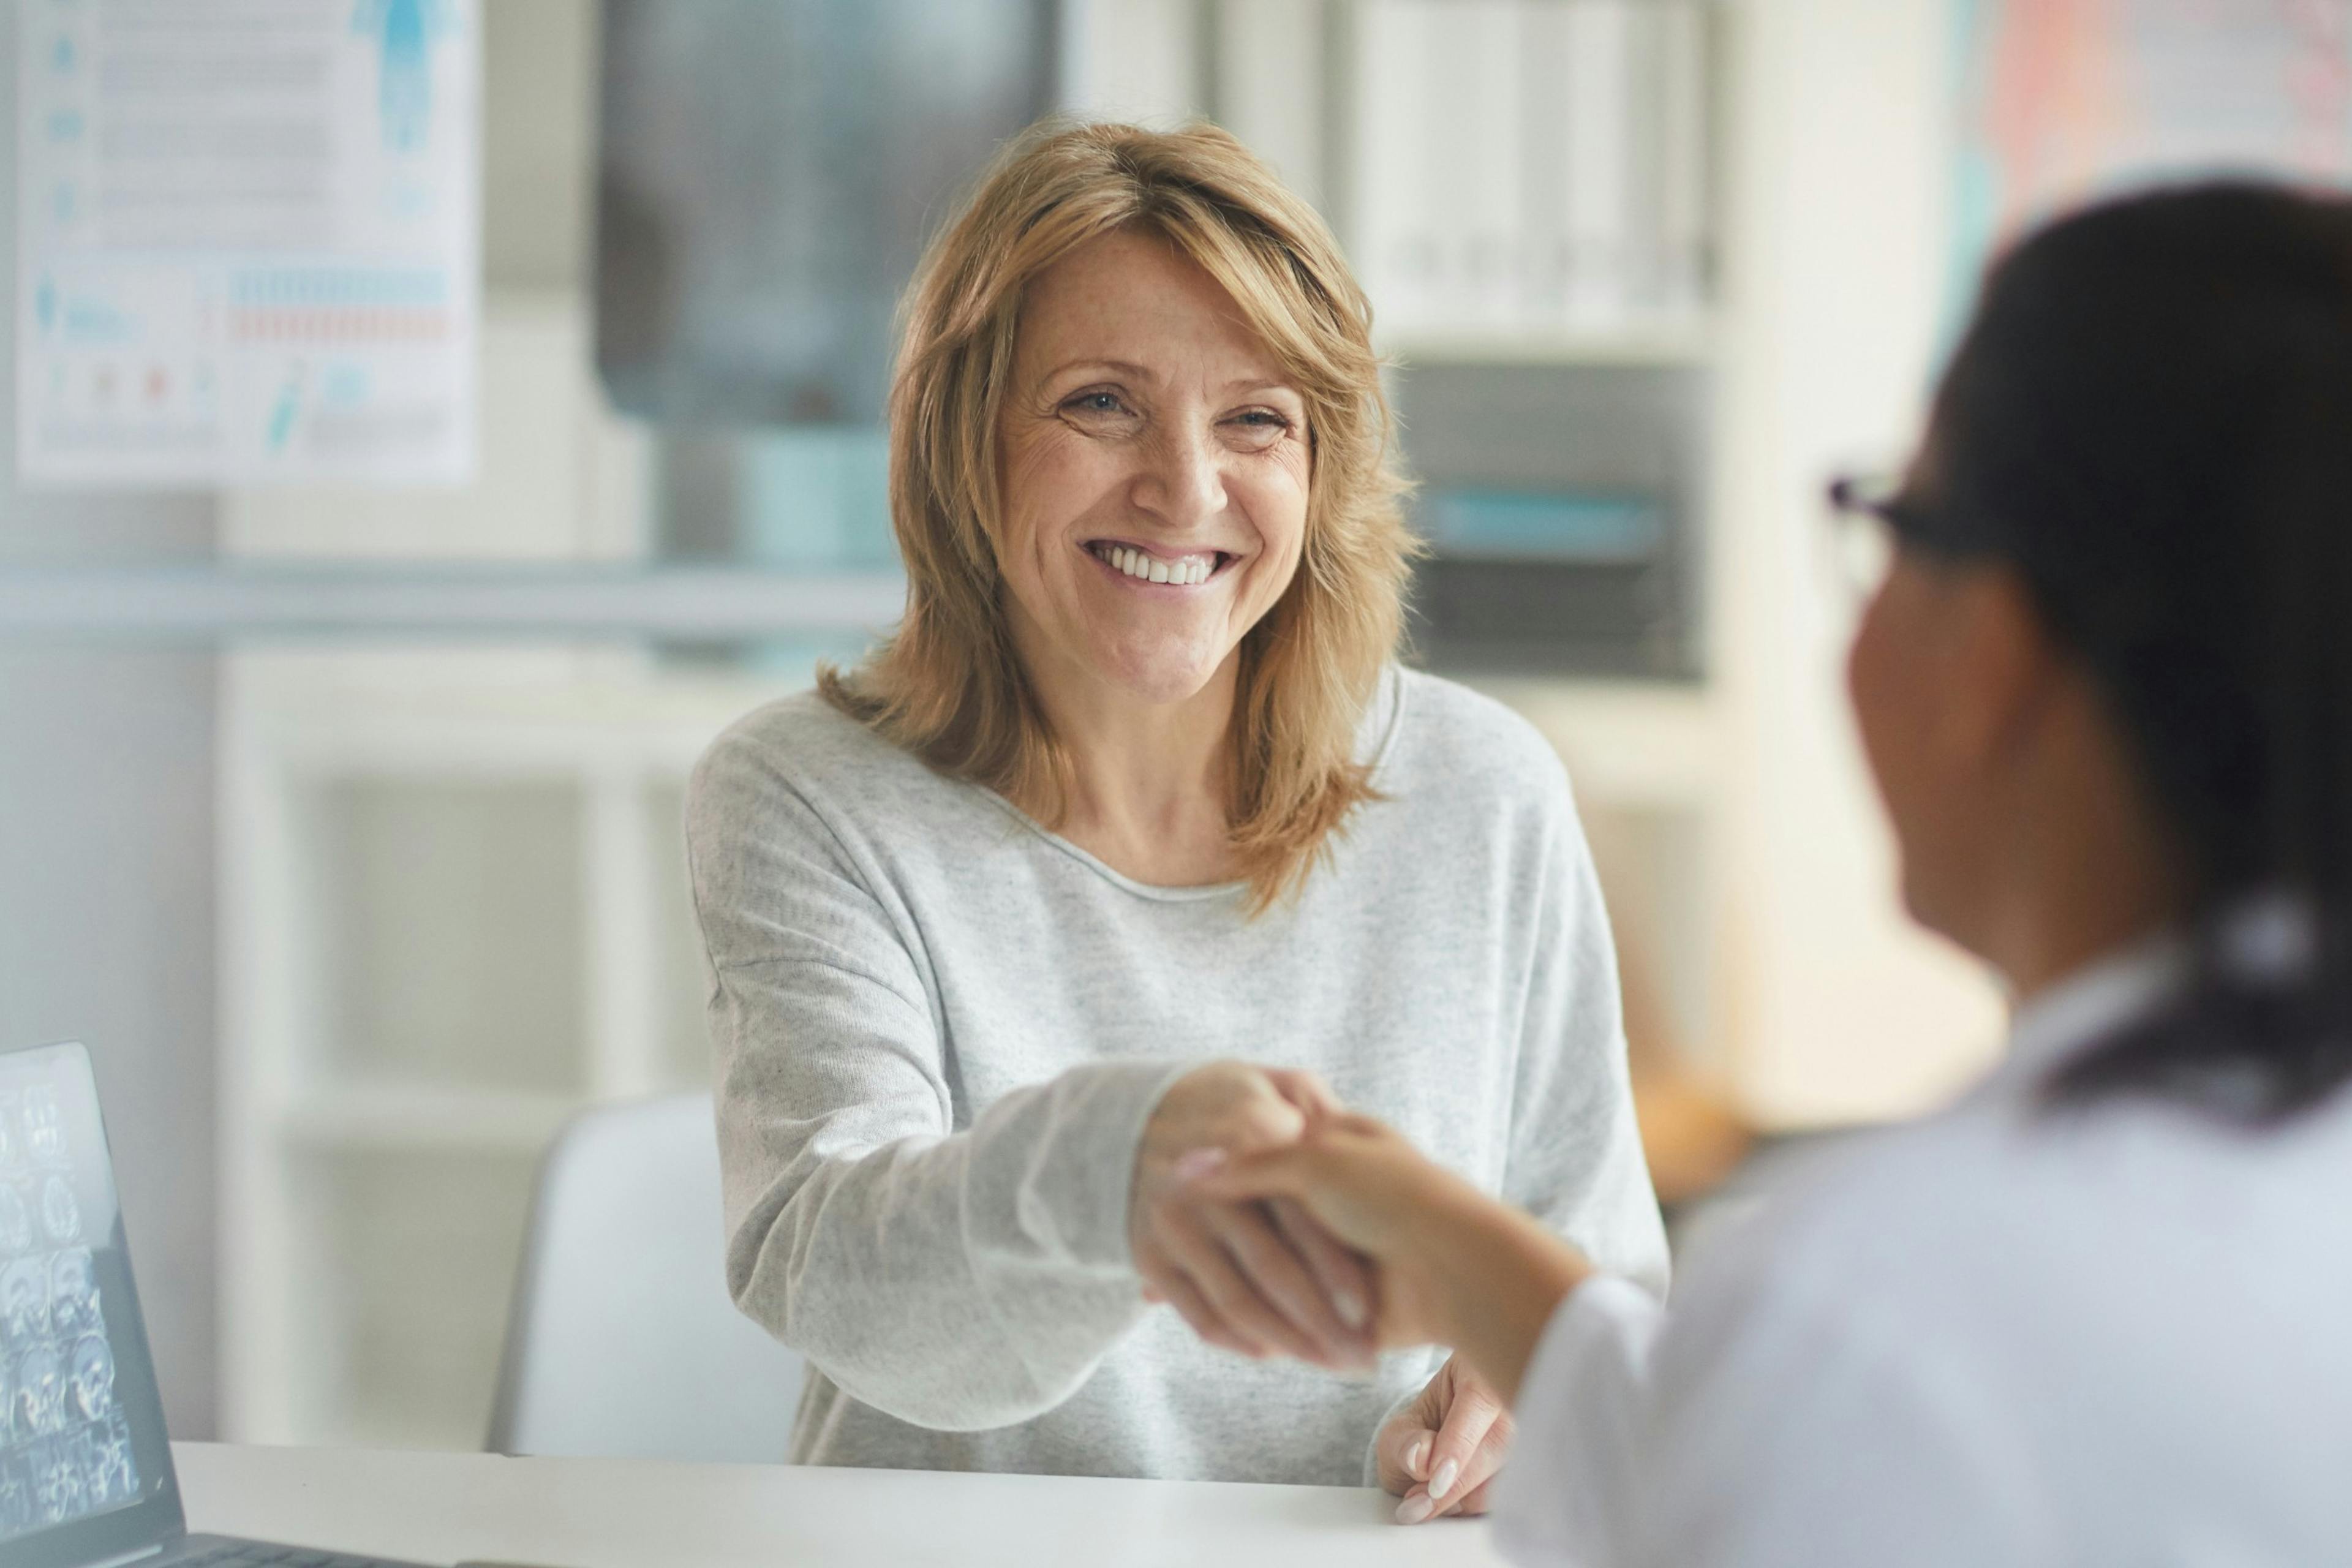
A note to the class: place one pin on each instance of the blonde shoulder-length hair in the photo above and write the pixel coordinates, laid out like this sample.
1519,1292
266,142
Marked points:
947,684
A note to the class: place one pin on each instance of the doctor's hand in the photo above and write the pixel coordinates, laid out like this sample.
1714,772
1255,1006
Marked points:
1372,1190
1440,1452
1260,1279
1450,1265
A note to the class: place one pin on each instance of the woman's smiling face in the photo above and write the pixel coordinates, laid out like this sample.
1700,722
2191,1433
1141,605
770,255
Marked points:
1154,463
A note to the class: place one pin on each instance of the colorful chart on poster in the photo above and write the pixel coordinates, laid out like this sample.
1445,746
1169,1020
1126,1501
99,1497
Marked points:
248,237
2064,100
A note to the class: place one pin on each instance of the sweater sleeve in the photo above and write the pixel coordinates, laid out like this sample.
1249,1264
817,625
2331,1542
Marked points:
1575,1157
953,1279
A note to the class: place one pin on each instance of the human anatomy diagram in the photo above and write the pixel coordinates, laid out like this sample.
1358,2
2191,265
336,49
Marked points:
65,1443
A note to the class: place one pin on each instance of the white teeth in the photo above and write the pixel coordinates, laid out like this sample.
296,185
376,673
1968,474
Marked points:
1186,574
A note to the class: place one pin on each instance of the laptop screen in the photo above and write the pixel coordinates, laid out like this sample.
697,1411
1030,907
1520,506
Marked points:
85,1470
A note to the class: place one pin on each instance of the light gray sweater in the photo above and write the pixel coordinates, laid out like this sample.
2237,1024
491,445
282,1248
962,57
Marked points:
940,1030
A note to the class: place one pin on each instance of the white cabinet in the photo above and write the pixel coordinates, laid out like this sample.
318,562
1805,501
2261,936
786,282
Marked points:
456,912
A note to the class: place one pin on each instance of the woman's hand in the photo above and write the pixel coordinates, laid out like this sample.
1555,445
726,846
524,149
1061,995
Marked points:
1440,1452
1257,1278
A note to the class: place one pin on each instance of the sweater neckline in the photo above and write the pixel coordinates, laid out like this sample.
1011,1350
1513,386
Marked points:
1386,714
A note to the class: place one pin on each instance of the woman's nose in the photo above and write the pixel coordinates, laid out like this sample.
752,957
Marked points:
1183,482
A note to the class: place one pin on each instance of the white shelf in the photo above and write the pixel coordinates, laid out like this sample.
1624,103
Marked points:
503,602
436,712
423,1118
1691,344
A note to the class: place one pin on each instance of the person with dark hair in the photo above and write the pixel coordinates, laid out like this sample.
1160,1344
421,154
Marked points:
2097,1311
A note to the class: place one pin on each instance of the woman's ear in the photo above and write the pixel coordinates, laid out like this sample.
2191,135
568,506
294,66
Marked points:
2001,666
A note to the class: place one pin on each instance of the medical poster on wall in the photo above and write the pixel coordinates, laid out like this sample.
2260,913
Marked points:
2064,100
248,241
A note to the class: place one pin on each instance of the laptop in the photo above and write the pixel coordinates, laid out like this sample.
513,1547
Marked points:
85,1467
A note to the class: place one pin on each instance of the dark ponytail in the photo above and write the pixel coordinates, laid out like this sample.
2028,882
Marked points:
2150,419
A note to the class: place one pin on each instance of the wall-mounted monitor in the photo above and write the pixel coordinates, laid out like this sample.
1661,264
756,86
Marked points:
770,172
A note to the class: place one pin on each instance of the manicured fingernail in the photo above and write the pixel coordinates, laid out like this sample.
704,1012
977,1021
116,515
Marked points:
1414,1509
1194,1163
1350,1309
1442,1483
1416,1459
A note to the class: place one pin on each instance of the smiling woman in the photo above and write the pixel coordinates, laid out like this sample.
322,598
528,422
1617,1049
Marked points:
1137,789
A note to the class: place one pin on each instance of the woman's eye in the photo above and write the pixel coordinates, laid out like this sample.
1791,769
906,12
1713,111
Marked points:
1261,424
1095,403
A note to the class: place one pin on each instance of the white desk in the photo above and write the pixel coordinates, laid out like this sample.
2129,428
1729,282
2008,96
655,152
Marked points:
617,1513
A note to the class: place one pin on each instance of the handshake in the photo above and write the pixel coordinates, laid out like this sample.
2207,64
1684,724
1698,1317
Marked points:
1276,1223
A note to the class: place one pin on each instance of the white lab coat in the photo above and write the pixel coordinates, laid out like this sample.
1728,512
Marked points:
2003,1335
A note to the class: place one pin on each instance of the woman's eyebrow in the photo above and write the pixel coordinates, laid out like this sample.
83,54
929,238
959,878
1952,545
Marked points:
1120,366
1256,381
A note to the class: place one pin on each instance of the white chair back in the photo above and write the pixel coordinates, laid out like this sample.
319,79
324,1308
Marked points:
622,1341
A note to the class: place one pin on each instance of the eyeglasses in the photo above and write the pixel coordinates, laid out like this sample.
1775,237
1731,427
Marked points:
1863,515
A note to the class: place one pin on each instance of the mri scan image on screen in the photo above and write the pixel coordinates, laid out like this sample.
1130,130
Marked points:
67,1452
